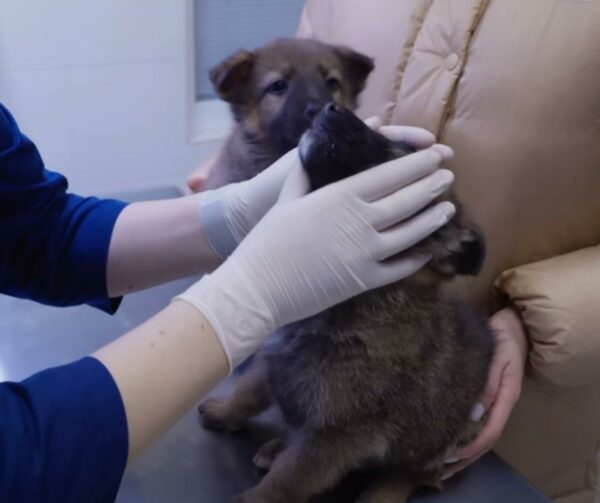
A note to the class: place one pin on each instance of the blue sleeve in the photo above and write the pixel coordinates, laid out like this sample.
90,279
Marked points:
53,245
63,436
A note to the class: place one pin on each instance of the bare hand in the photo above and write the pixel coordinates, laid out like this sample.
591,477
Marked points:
197,179
502,390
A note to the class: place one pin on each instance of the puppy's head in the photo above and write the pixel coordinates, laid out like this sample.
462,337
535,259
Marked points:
277,90
339,144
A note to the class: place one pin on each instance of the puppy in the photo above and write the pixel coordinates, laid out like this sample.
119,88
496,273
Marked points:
386,380
274,94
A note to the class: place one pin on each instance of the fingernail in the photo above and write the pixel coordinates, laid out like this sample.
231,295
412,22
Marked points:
446,176
452,460
477,412
449,210
447,476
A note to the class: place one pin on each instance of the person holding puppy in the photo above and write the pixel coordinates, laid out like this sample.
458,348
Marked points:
68,432
511,86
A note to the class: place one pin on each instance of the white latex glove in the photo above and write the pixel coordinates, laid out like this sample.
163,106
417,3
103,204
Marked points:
229,213
312,251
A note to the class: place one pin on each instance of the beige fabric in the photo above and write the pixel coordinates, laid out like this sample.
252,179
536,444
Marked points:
559,301
552,436
513,87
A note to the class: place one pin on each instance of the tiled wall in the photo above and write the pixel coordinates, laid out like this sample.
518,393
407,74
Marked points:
100,86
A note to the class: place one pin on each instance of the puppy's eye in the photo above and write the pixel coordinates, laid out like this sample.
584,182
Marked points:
278,87
332,83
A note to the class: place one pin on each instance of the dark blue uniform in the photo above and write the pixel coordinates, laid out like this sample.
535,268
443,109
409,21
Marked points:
63,431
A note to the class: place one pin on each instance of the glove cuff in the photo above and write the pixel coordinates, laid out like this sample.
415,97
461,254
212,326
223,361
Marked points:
214,323
214,223
239,320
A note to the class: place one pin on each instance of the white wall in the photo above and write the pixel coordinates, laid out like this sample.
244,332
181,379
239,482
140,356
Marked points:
101,86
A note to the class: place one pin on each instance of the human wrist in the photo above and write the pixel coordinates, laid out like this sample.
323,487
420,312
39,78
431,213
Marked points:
237,314
508,323
216,221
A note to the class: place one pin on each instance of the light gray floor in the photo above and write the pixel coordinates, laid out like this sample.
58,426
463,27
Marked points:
189,464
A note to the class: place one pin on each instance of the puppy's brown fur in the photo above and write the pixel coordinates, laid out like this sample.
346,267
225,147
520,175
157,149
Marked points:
385,380
274,93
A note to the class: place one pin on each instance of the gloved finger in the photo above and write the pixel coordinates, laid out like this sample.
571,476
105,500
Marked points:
374,123
296,185
397,268
388,177
402,236
445,150
282,166
404,203
415,136
268,183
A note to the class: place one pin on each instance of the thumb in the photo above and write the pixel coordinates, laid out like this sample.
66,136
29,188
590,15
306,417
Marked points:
493,383
296,184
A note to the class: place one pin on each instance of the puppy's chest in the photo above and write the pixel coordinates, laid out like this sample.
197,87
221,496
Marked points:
325,369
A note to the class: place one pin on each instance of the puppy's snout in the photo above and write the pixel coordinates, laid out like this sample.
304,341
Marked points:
311,110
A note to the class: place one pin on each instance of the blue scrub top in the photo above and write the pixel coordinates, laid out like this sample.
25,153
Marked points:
63,431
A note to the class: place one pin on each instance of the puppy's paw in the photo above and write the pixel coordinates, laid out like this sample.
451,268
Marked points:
266,455
215,416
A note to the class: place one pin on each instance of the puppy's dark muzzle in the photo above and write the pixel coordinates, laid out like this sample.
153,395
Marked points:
336,119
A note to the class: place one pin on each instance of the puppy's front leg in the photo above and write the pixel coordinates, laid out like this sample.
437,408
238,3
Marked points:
311,463
250,397
267,454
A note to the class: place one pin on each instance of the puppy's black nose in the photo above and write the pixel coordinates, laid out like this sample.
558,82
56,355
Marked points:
333,108
311,110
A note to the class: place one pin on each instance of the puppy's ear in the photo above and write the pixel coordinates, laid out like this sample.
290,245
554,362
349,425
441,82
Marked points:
232,77
458,249
357,67
468,259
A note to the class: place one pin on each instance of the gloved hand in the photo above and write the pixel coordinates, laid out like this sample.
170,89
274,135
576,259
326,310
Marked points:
312,251
230,212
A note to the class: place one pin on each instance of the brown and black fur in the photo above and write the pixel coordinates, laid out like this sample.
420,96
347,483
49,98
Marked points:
274,93
386,380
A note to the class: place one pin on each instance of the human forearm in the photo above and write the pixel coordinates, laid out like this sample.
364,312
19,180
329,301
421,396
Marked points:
157,241
161,368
